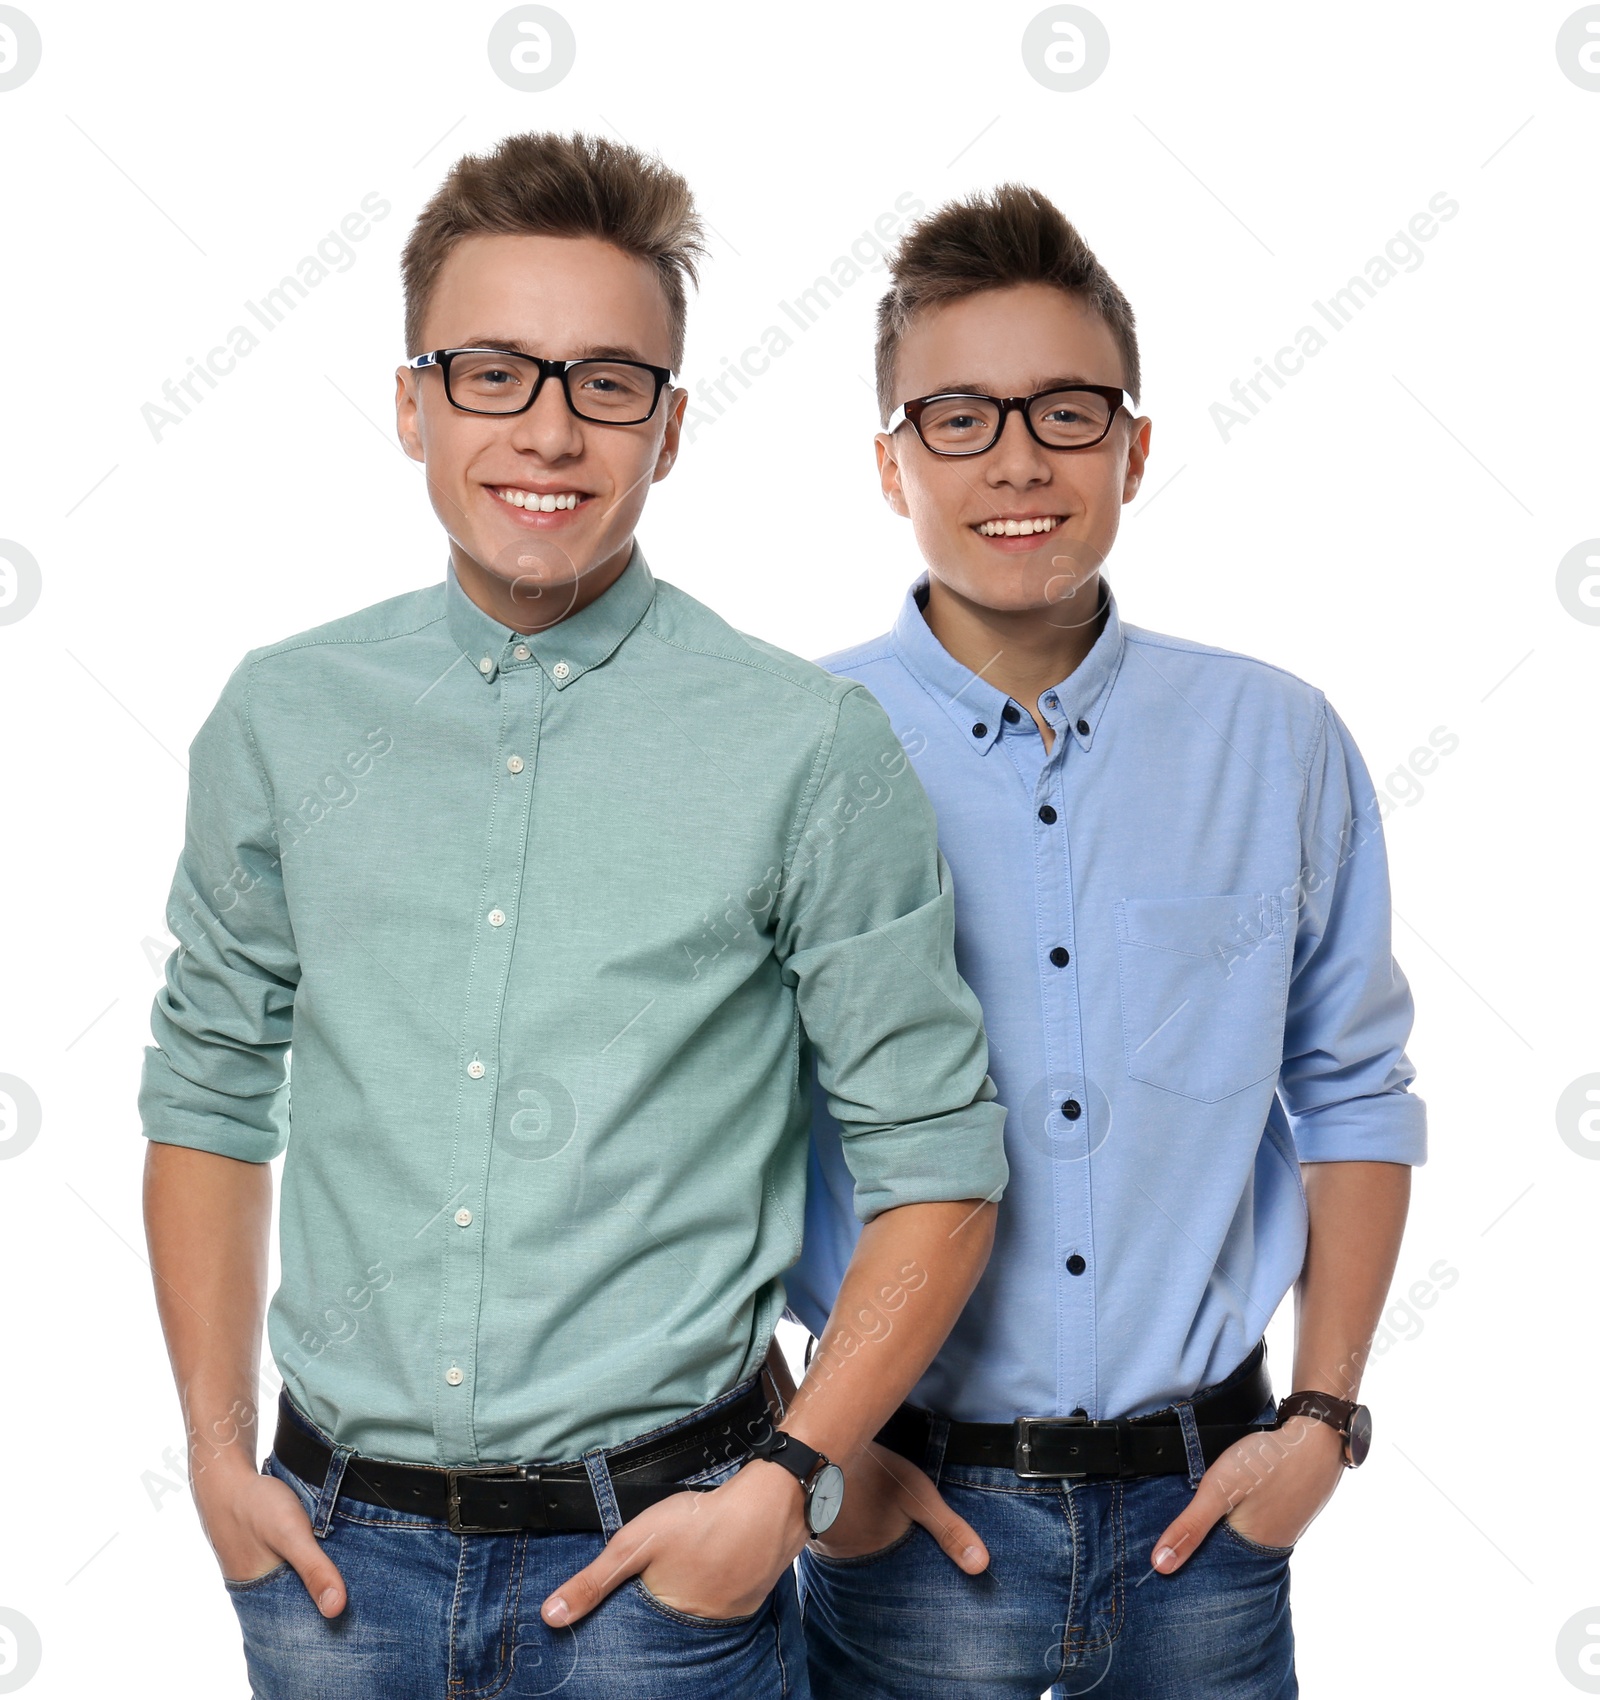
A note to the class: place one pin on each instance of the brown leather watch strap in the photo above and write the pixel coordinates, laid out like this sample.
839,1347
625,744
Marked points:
1350,1419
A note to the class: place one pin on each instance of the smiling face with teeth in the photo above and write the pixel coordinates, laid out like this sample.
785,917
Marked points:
1021,529
540,506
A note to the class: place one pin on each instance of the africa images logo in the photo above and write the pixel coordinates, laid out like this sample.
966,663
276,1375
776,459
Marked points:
1401,253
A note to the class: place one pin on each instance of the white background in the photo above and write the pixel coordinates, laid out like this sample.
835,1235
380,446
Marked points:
1389,527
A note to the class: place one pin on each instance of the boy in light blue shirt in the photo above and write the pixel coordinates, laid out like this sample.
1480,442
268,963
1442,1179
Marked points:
1172,900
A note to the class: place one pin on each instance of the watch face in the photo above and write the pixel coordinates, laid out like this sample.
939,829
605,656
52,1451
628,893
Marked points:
825,1498
1360,1440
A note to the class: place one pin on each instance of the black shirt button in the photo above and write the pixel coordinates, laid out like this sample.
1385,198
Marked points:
1076,1265
1078,1411
1047,814
1083,728
1060,956
980,730
1011,713
1072,1109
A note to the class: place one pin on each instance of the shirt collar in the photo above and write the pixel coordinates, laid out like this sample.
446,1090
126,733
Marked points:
566,650
1074,706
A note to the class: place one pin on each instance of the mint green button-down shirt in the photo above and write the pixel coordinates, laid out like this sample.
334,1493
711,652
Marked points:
554,926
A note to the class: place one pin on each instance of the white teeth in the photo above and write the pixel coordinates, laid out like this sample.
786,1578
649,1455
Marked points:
533,503
1016,527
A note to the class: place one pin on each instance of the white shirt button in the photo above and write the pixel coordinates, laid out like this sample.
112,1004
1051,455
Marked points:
486,665
514,763
475,1069
497,917
454,1376
463,1217
561,669
522,652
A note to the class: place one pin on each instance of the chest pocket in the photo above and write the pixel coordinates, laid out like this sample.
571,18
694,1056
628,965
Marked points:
1204,983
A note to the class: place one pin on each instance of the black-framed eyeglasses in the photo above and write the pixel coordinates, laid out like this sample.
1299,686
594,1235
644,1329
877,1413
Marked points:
492,380
1071,416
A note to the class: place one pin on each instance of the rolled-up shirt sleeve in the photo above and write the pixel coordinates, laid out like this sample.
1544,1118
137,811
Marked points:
865,931
1346,1077
216,1078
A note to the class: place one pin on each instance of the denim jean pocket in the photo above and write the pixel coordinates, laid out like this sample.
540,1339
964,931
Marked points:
694,1619
1257,1549
1204,984
856,1560
251,1583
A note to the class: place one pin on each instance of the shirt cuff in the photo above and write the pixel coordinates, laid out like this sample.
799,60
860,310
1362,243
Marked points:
178,1111
1388,1128
943,1158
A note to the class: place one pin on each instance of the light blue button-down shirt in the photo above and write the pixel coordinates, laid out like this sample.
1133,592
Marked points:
1177,923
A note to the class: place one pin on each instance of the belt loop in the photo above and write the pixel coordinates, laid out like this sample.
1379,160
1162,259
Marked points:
772,1393
933,1456
605,1496
328,1493
1191,1440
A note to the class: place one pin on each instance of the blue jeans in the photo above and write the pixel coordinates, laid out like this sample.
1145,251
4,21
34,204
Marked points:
1069,1602
434,1615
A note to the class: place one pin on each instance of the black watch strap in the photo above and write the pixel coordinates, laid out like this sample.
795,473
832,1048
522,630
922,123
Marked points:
801,1461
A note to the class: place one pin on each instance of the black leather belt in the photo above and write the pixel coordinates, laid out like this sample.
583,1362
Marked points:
1076,1448
501,1499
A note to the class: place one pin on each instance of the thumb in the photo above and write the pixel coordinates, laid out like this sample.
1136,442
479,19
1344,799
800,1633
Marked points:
624,1555
960,1542
316,1570
1186,1531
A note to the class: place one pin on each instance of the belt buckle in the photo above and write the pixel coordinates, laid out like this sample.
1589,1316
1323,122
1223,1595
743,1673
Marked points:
1023,1449
504,1472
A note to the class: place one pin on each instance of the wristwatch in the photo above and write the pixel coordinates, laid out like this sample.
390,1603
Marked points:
822,1482
1354,1422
